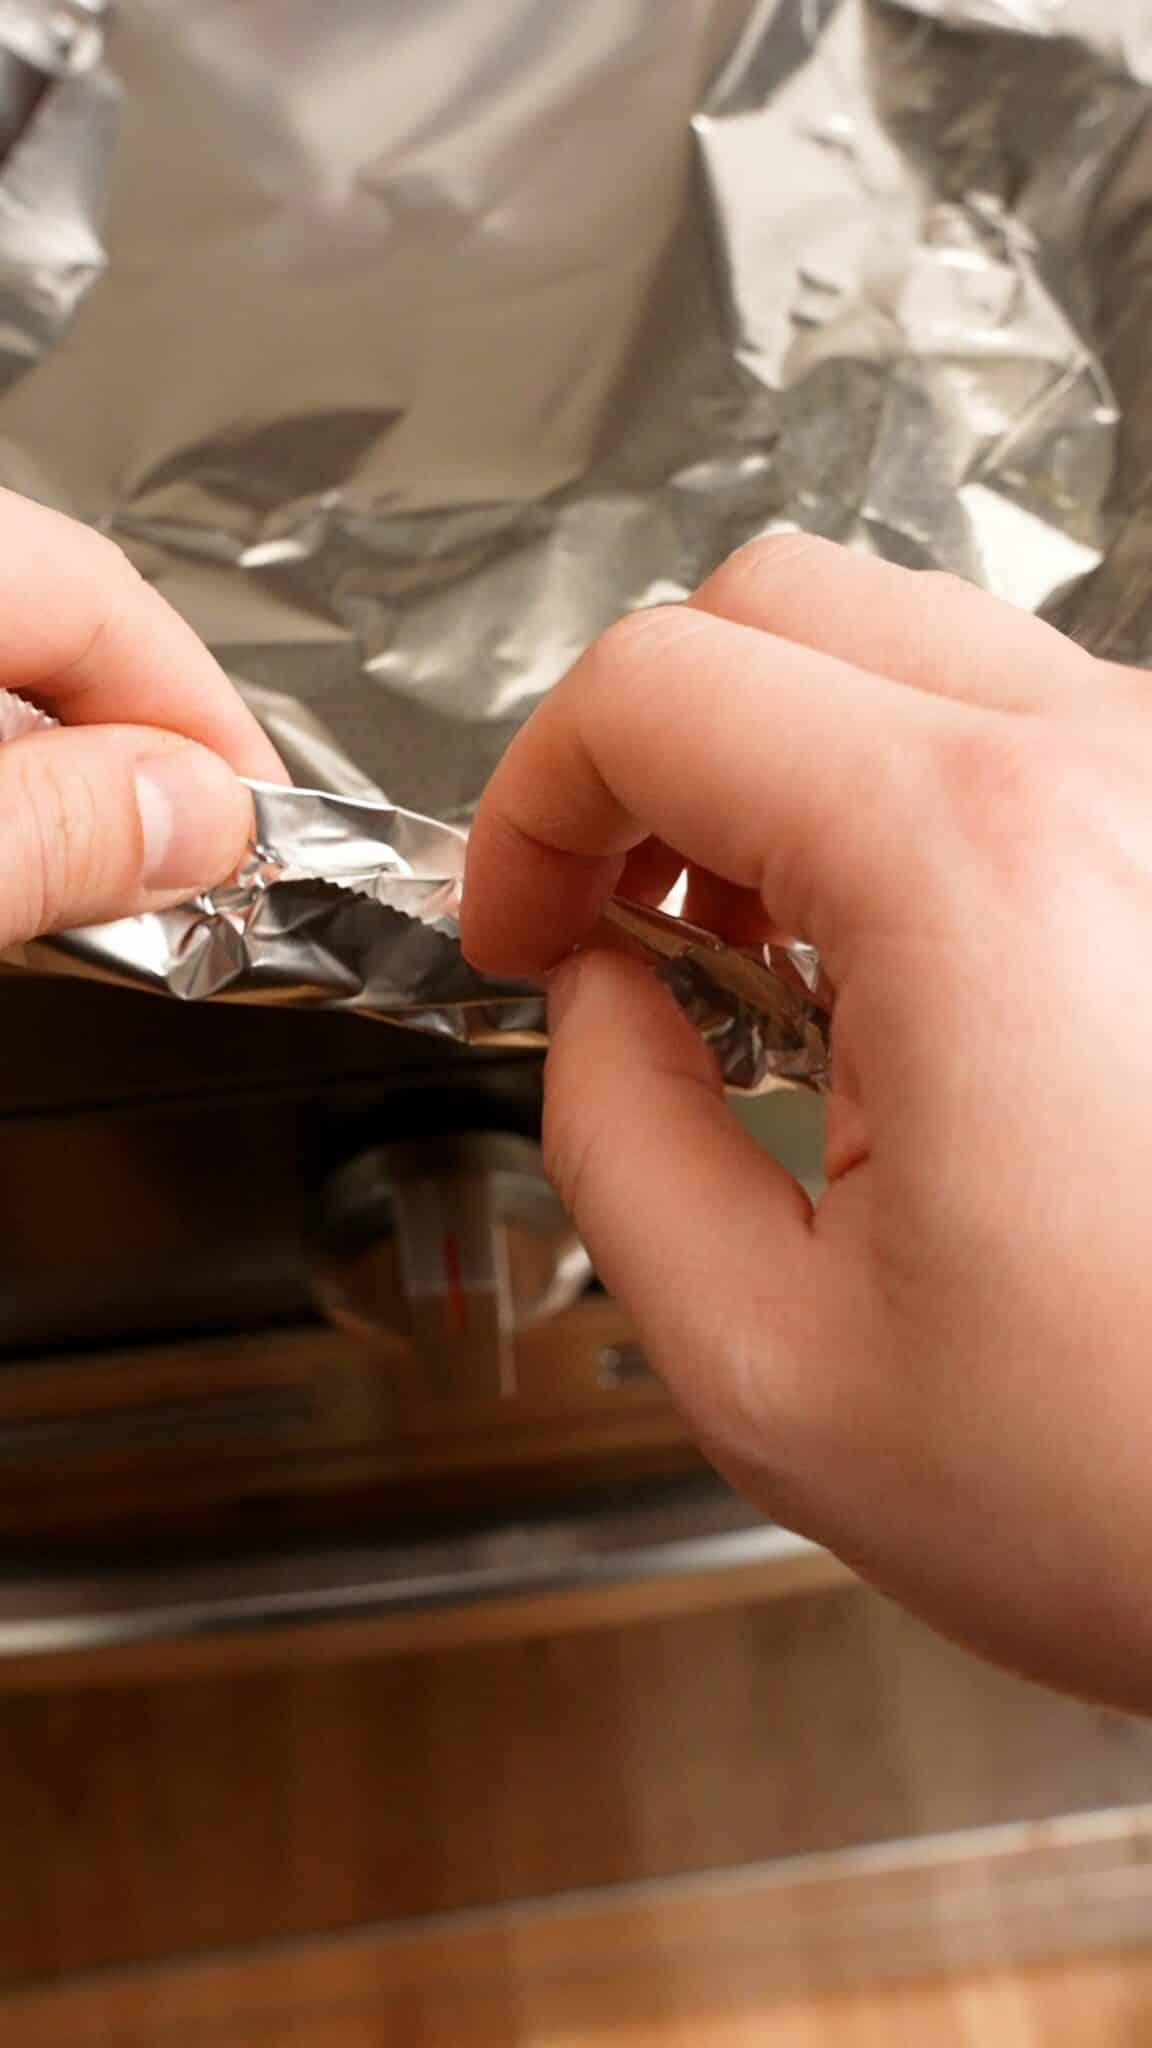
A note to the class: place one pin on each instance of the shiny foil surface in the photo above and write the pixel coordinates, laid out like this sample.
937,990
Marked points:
353,906
406,343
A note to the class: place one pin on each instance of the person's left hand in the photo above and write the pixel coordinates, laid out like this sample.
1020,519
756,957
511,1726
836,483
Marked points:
135,802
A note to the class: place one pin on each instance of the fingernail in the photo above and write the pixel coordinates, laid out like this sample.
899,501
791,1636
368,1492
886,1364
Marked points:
563,990
188,819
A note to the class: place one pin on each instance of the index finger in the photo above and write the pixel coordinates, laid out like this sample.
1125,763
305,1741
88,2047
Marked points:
776,767
84,635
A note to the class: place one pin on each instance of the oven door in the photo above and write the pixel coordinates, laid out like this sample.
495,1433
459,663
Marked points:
197,1464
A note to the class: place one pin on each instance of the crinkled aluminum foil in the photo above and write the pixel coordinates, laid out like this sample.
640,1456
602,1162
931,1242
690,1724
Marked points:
352,906
405,343
18,718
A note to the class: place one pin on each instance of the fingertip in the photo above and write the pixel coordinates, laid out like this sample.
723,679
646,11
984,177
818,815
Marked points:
195,818
260,762
612,1013
106,821
524,906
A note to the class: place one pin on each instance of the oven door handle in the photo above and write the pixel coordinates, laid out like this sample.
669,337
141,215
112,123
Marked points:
675,1548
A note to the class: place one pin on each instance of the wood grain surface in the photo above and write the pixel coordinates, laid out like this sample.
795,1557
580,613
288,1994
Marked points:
154,1821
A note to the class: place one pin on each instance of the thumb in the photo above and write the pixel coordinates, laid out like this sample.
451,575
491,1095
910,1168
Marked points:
704,1239
102,821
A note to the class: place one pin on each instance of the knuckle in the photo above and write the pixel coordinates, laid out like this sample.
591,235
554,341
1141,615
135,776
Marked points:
627,667
778,566
115,590
992,762
634,642
1011,787
58,839
638,635
111,555
570,1144
115,577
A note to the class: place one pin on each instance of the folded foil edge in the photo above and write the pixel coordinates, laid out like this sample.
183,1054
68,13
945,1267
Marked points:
346,905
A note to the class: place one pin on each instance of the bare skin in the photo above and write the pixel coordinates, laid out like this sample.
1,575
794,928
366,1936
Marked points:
86,639
944,1370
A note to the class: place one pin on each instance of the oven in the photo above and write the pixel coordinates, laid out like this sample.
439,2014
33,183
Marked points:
294,1332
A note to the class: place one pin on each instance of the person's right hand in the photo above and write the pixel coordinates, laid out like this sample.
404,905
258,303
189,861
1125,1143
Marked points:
136,802
944,1372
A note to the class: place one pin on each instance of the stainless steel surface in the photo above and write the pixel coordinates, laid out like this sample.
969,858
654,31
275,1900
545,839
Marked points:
699,1528
161,1375
444,1249
260,1414
405,343
160,1163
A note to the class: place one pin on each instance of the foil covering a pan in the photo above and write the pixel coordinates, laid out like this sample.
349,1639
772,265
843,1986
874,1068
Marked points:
406,343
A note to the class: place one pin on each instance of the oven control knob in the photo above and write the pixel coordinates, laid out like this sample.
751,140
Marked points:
441,1250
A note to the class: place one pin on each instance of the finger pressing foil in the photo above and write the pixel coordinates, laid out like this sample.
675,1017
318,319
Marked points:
353,906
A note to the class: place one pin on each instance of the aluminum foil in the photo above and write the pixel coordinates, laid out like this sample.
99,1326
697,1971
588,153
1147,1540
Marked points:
406,343
353,906
18,718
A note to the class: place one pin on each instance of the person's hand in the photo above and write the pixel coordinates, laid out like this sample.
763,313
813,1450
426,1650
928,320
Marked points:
135,803
944,1371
